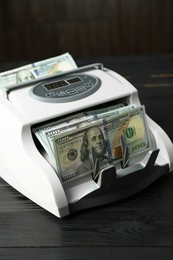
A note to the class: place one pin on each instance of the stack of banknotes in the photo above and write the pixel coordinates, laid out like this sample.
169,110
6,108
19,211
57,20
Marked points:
40,69
87,142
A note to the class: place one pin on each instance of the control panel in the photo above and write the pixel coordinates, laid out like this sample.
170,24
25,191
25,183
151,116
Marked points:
68,88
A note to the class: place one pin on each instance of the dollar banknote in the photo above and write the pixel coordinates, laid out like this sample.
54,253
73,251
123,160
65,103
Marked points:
48,67
46,133
76,151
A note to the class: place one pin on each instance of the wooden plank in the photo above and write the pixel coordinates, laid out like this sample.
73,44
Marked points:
85,253
134,221
120,229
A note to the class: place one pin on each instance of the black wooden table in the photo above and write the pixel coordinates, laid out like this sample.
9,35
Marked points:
139,227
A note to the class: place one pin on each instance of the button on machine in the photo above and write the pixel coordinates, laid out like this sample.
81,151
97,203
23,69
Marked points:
61,94
51,94
88,84
81,88
72,91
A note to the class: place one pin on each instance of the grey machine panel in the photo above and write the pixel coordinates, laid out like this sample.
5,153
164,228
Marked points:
67,88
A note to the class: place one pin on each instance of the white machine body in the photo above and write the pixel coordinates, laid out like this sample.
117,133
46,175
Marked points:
21,163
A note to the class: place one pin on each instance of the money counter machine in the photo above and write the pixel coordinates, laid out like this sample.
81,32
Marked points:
24,164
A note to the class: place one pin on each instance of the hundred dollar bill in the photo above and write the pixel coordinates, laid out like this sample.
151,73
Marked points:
46,134
51,129
76,151
96,113
75,118
48,67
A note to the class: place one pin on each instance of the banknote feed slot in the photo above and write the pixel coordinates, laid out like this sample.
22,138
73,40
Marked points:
52,161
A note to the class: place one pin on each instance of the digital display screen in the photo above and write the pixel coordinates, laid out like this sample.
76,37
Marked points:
74,80
61,83
54,85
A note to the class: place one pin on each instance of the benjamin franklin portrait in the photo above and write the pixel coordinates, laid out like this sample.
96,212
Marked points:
93,148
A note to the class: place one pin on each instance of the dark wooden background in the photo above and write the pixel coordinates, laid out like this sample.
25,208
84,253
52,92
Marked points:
38,29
